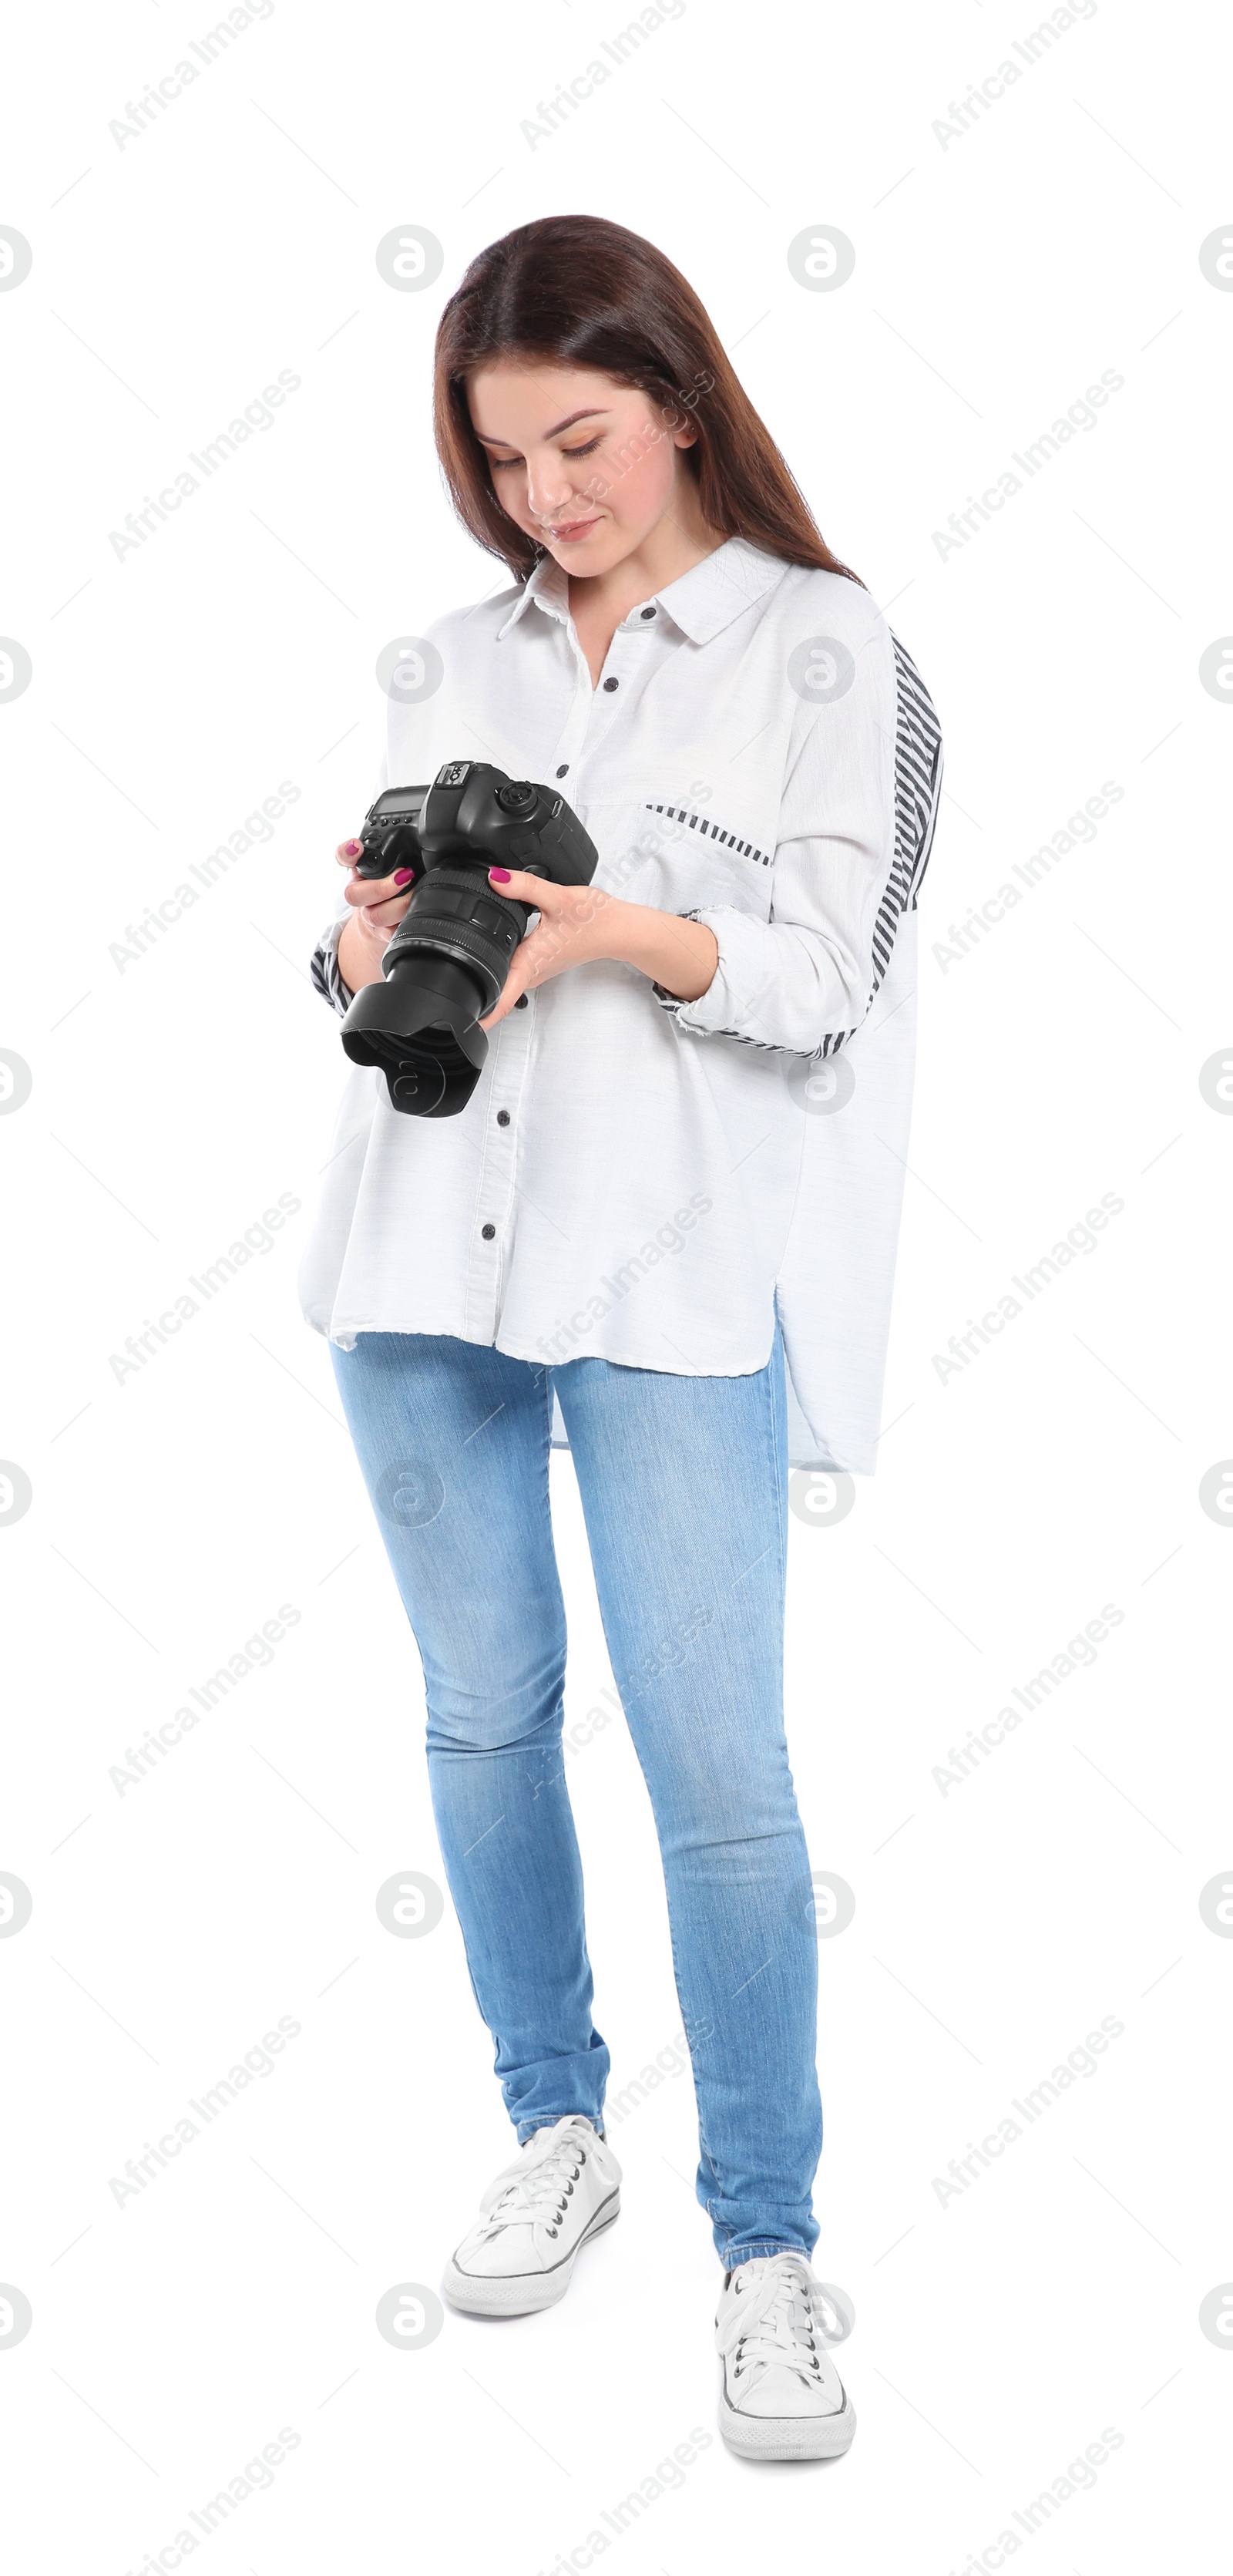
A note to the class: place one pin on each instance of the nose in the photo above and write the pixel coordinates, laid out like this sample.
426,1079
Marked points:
549,489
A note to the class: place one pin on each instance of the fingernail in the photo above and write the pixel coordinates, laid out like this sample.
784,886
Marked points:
403,876
499,876
353,848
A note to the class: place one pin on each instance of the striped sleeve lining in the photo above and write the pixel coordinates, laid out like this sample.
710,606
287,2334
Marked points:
918,788
324,968
918,769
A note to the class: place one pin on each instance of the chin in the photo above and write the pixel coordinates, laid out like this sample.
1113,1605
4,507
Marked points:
598,553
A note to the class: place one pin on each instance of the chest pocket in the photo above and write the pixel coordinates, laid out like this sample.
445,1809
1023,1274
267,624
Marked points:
678,856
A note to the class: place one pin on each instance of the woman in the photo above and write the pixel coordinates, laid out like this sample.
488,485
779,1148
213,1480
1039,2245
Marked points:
662,1229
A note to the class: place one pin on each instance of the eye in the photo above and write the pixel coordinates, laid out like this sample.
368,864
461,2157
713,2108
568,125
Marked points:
497,463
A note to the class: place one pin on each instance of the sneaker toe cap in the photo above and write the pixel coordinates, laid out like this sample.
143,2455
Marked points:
501,2257
784,2394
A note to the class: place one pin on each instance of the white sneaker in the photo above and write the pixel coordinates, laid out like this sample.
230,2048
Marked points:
781,2397
562,2188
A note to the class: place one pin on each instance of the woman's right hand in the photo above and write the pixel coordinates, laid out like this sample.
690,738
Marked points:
378,905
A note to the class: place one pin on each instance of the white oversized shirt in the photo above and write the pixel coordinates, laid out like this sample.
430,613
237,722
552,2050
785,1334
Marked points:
636,1178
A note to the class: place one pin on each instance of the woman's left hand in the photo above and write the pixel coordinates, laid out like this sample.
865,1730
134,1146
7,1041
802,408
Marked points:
579,923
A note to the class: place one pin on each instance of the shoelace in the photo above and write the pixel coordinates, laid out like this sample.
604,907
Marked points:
786,2317
542,2192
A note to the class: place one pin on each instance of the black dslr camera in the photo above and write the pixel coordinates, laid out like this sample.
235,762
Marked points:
448,959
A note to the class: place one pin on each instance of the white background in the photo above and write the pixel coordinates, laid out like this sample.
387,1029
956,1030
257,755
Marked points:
998,273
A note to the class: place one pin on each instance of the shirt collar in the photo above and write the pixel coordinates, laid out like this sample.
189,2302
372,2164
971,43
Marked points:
701,602
720,588
548,587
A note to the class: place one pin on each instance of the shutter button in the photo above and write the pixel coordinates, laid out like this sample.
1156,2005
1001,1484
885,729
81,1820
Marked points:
488,1232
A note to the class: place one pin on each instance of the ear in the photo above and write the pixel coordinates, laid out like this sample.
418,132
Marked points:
678,425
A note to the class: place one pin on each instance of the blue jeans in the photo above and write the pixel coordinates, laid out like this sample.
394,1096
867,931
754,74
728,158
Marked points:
683,1485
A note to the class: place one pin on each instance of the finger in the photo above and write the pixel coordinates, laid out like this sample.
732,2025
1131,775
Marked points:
501,1012
367,892
522,888
348,852
384,916
516,983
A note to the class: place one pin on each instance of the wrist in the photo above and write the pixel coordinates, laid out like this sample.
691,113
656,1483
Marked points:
676,953
361,947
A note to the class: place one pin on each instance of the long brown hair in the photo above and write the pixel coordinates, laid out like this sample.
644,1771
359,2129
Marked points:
587,293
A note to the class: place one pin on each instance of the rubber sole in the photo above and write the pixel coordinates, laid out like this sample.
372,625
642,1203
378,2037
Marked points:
523,2294
787,2437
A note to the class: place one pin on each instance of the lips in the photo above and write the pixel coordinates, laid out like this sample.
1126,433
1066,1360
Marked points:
572,530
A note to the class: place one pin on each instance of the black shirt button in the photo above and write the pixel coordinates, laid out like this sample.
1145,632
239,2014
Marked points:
521,1003
612,684
502,1117
648,612
488,1232
562,770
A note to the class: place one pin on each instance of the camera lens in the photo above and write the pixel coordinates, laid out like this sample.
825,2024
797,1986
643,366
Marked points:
516,797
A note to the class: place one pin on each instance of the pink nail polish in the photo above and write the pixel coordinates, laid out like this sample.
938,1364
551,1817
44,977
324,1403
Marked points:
403,876
353,848
499,876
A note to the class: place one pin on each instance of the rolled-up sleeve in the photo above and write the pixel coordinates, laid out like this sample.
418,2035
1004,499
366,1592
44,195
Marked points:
803,978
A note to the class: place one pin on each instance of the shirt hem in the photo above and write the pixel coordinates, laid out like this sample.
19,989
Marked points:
343,1331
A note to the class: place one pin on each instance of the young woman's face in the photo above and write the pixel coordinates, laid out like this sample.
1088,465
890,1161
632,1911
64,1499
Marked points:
586,466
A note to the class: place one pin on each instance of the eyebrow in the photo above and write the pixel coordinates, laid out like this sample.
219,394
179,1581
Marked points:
597,414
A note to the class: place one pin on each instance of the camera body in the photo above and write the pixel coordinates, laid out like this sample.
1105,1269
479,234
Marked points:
388,836
448,959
